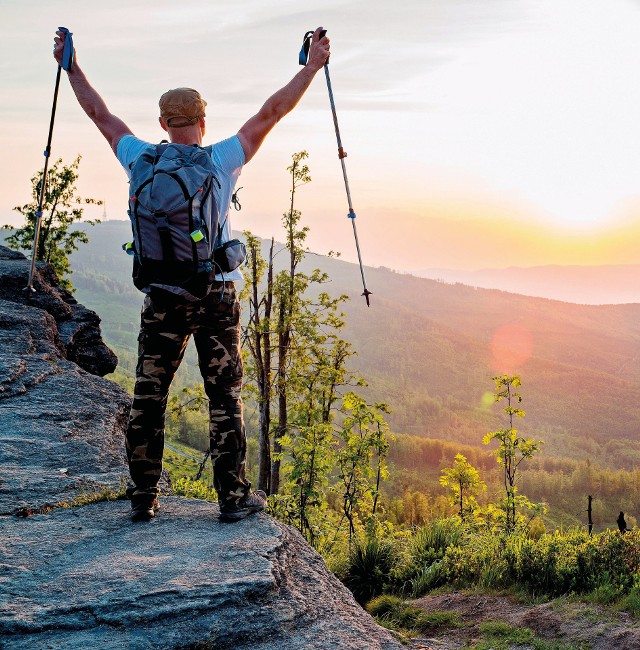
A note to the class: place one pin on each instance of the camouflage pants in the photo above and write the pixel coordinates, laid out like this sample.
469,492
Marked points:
167,322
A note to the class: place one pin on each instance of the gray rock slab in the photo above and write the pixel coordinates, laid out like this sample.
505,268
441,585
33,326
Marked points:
61,432
89,577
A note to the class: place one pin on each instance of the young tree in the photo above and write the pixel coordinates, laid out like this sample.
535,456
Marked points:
61,208
465,483
257,338
290,286
512,449
317,372
361,458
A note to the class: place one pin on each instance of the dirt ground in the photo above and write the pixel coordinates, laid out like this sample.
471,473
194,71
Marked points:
576,624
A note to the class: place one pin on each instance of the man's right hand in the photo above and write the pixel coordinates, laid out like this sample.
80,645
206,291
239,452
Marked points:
319,51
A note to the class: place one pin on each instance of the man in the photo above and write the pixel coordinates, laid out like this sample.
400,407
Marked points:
167,321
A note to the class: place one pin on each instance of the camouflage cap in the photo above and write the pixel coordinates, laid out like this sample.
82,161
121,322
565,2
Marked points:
181,107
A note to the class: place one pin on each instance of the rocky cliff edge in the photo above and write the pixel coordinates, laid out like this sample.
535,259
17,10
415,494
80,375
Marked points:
85,576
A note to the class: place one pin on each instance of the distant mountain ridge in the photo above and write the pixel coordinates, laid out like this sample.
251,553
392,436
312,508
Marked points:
587,285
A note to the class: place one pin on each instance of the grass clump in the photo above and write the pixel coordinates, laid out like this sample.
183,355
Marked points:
192,489
396,614
369,565
631,603
501,634
497,635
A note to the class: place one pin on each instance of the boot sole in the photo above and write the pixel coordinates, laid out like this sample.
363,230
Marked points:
237,515
143,515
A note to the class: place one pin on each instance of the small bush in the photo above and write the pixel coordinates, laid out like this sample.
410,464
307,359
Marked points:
431,577
394,613
368,569
383,605
425,549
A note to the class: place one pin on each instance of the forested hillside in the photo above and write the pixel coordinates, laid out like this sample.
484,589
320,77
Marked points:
429,348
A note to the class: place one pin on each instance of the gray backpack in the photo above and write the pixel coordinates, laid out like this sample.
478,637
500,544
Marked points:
174,218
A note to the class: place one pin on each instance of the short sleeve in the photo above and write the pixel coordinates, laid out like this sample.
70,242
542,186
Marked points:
128,149
228,155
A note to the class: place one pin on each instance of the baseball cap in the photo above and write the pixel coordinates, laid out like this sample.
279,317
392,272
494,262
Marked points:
181,107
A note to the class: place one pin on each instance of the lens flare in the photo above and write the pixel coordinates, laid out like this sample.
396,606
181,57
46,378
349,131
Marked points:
511,348
486,400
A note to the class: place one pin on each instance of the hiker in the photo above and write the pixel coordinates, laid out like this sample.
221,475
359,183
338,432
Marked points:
168,319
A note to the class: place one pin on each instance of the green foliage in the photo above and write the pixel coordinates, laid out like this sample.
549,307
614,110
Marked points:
60,211
631,602
383,605
395,613
512,449
367,572
192,489
421,568
501,636
361,456
188,409
464,481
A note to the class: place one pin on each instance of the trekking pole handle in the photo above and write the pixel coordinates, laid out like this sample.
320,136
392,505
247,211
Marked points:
68,51
303,57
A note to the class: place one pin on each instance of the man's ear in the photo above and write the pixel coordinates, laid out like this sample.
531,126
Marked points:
163,125
203,126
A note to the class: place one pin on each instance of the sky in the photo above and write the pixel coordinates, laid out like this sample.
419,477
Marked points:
479,134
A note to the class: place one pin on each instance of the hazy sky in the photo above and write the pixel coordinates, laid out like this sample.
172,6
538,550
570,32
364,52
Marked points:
493,133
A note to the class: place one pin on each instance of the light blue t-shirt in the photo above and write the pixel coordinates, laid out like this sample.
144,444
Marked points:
228,159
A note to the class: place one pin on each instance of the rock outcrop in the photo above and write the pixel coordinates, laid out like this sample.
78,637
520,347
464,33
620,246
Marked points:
85,576
61,425
88,577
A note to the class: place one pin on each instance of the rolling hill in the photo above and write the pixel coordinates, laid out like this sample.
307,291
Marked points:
429,348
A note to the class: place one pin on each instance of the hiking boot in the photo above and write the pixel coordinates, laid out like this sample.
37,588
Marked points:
144,510
253,502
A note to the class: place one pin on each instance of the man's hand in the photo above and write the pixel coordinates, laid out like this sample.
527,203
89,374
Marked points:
58,48
253,133
319,51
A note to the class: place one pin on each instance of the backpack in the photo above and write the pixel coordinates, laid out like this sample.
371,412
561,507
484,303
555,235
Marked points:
174,219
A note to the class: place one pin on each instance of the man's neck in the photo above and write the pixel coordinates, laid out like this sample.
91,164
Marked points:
186,135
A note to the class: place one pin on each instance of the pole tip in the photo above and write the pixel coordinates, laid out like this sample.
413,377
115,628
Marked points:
366,295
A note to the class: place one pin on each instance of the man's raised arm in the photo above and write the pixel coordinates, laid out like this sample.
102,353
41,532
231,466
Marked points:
111,127
253,133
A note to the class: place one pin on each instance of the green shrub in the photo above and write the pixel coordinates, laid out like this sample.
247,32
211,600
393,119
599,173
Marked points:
605,594
394,613
384,605
368,568
187,487
429,578
426,547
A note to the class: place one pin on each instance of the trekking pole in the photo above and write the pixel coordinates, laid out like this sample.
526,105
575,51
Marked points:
67,63
342,154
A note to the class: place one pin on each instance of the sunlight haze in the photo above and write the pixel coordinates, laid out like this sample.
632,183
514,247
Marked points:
479,134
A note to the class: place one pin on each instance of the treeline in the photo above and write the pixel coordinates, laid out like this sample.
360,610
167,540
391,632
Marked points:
563,484
89,280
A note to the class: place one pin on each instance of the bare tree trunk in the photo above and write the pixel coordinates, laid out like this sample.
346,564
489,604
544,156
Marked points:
260,346
283,345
